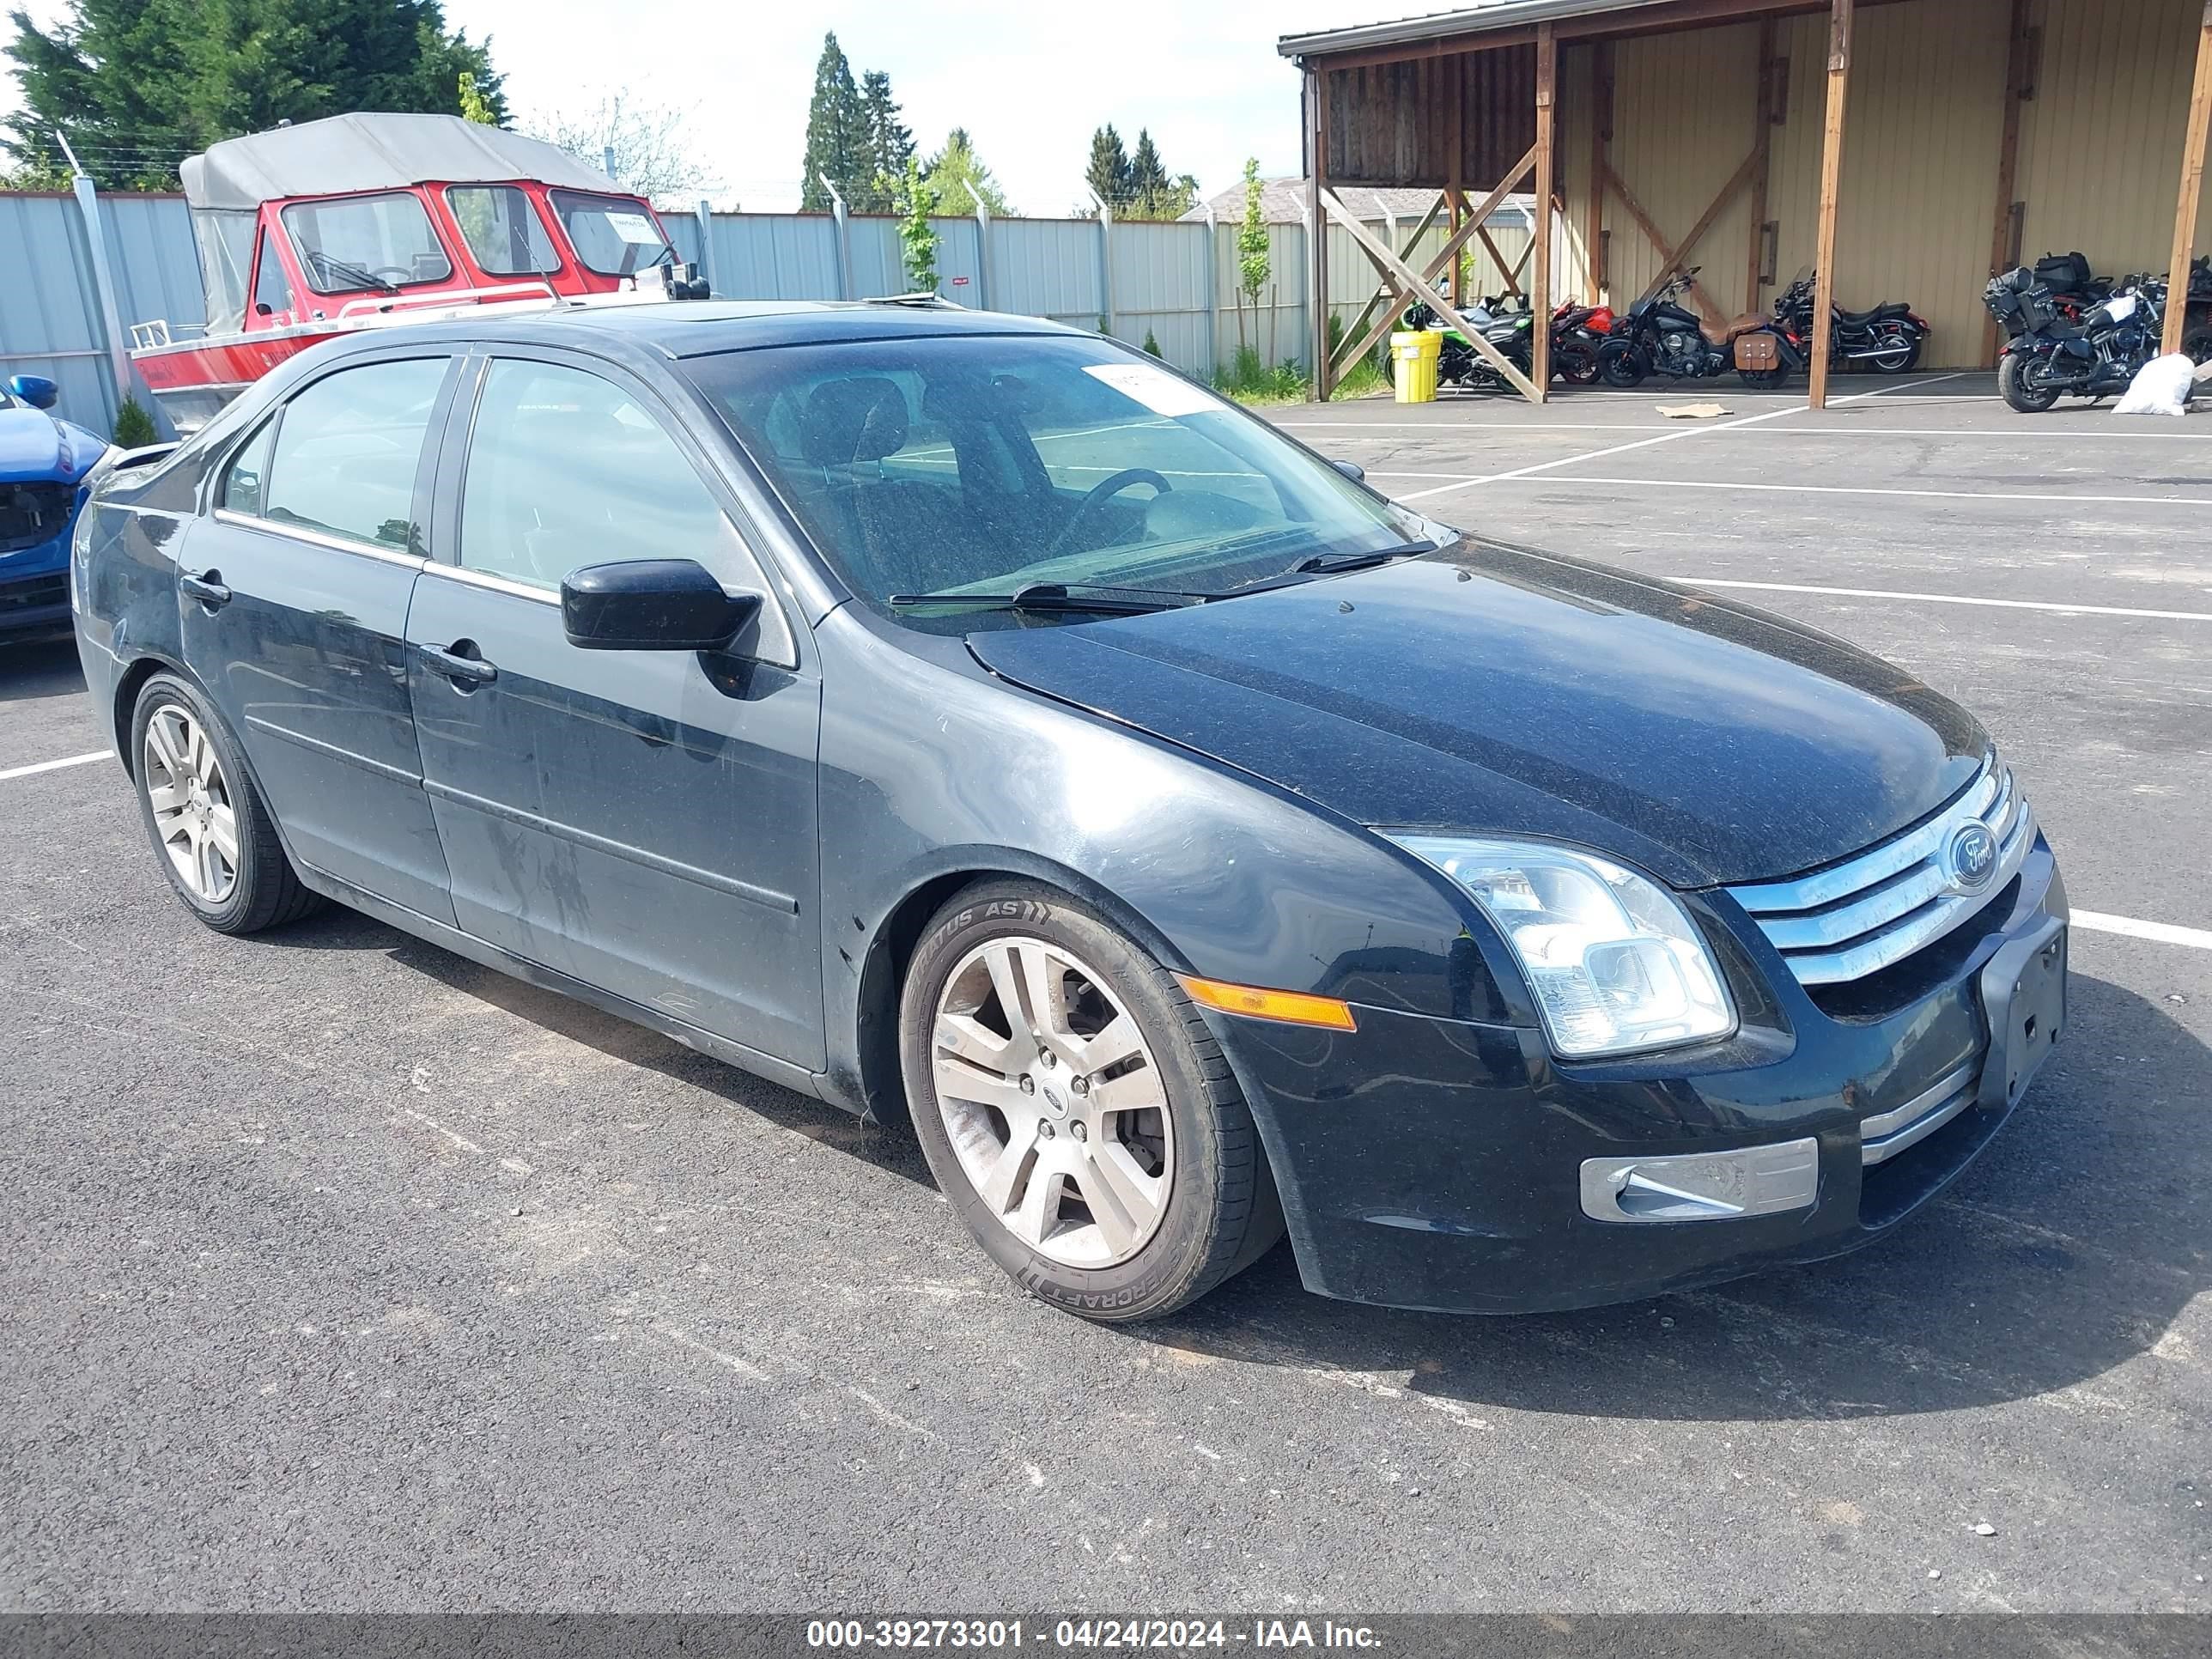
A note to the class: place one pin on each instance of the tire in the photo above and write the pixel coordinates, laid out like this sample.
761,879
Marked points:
2196,344
2013,384
1765,380
1574,363
1622,369
1161,1236
211,834
1903,362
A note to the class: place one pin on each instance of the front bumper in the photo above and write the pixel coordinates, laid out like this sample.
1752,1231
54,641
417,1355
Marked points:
34,587
1439,1164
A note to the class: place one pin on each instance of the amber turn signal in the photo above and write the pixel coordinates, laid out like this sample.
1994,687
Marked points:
1291,1007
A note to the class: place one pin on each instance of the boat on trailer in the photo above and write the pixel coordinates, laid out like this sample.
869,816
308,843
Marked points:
377,221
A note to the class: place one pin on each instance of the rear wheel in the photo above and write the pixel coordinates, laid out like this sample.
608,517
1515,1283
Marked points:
1765,380
1902,355
2196,344
215,838
1075,1109
1622,367
2023,386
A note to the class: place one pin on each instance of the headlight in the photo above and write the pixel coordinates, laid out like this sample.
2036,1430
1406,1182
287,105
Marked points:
1612,961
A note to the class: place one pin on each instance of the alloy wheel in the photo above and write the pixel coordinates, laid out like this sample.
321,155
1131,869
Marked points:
1053,1101
194,816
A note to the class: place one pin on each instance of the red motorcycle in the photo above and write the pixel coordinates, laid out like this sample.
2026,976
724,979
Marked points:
1577,332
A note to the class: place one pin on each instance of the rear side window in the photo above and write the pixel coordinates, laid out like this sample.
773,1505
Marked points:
504,233
243,479
366,244
347,452
566,469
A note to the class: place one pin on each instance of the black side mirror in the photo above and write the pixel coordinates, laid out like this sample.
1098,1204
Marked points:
652,605
1351,470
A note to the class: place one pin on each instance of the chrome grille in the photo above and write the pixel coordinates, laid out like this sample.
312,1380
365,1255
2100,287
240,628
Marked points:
1857,917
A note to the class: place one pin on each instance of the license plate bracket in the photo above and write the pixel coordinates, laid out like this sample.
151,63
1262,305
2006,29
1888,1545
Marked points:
2023,1000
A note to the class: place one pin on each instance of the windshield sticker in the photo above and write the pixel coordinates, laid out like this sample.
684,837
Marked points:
1155,389
635,228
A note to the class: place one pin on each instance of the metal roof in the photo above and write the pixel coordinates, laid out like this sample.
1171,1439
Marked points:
1473,20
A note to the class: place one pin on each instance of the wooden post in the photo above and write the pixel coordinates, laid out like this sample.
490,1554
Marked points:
1762,160
1317,230
1458,170
1600,137
2007,163
1539,280
1831,179
2192,188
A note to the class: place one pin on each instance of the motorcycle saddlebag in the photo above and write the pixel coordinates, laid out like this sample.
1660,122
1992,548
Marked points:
1758,350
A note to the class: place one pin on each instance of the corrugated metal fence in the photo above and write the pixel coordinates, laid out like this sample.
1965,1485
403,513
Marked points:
1175,283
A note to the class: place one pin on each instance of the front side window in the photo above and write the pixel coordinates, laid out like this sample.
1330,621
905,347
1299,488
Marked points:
366,244
505,235
931,467
272,294
612,235
566,469
347,449
243,479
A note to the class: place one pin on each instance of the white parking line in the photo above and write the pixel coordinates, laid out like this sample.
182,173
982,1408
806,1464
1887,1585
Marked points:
2067,433
1951,599
1865,489
1670,437
2163,933
55,765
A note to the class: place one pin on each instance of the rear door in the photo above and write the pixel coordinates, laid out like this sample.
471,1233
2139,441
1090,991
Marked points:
642,821
293,614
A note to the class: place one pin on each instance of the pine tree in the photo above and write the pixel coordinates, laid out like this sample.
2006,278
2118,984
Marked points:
889,144
836,134
1108,173
1148,180
139,84
958,179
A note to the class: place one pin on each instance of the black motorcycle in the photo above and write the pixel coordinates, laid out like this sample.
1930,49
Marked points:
1887,339
1657,336
2050,357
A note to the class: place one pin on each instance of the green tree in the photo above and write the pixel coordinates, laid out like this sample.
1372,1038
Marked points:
140,84
958,179
1253,269
890,142
1152,193
836,135
475,106
915,202
1108,171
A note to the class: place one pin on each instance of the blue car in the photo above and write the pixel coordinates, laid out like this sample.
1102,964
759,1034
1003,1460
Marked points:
44,465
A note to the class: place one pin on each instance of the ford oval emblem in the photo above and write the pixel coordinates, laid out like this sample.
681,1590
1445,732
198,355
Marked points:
1972,856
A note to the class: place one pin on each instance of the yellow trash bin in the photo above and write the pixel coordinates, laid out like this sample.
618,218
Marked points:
1414,356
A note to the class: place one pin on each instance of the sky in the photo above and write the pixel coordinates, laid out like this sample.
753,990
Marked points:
1030,79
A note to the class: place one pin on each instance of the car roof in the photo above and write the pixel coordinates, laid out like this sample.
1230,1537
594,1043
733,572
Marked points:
699,328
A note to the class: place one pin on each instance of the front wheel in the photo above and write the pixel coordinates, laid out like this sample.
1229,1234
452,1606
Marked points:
210,830
1622,367
2027,391
1076,1110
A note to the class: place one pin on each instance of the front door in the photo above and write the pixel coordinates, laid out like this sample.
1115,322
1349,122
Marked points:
294,609
642,821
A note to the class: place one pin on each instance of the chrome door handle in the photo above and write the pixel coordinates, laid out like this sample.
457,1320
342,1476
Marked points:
205,586
475,671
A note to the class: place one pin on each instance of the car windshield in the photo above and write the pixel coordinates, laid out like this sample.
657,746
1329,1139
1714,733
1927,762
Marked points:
982,464
613,236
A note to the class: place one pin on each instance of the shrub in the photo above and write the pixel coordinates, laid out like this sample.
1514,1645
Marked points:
1152,344
134,426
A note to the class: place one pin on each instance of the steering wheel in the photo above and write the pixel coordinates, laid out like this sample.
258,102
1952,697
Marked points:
1101,492
395,273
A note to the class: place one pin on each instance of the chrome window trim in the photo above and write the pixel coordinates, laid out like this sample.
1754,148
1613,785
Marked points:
318,539
1859,916
494,584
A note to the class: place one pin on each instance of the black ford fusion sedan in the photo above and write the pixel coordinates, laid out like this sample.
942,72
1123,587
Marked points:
967,720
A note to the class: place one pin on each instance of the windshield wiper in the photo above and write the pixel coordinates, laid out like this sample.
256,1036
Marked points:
344,270
1055,596
1323,564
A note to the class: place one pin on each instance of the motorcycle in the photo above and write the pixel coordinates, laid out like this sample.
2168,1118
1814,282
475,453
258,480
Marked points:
2049,357
1459,363
1888,339
1659,337
1578,334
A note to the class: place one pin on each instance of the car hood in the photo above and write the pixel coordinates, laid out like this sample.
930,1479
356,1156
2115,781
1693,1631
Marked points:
34,447
1498,690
